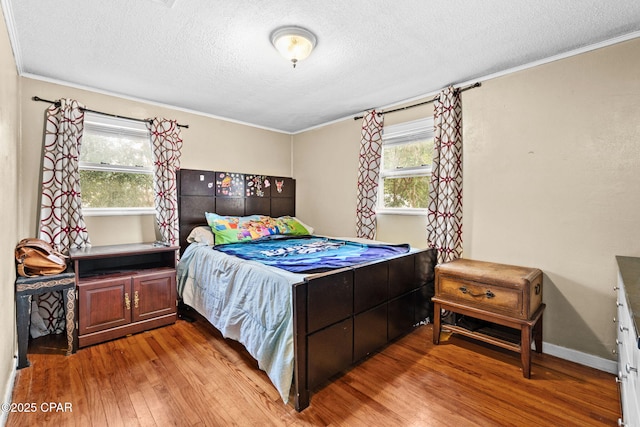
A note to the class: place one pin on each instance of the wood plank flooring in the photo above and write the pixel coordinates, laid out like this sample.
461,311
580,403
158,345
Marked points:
188,375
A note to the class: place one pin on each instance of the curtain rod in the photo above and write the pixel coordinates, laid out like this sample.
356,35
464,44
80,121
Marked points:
57,104
458,90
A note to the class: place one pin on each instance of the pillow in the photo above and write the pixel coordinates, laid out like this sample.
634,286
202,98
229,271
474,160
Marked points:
307,227
201,234
233,229
293,226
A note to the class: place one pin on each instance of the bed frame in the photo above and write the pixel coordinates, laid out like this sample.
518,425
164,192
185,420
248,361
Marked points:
340,317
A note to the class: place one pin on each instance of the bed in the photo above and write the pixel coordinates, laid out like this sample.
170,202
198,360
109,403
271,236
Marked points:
302,326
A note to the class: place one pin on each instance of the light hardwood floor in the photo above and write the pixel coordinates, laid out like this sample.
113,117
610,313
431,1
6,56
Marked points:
188,375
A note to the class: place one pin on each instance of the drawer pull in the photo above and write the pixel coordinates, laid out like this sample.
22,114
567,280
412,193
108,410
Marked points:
537,289
487,294
620,377
623,328
630,368
136,299
619,304
127,301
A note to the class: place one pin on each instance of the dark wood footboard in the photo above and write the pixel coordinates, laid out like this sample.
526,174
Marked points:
343,316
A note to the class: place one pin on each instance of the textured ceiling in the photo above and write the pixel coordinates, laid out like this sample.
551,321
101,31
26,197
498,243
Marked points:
215,57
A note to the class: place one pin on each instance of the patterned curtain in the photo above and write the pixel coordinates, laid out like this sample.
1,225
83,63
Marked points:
61,220
444,223
368,173
167,143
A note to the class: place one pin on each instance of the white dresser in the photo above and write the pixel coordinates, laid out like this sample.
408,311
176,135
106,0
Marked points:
628,321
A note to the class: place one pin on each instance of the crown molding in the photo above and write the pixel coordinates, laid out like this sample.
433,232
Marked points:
13,34
558,57
146,101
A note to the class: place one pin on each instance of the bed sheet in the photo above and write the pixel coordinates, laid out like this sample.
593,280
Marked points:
246,301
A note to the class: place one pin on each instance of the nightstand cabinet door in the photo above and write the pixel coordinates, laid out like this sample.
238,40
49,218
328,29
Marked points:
154,294
124,289
104,304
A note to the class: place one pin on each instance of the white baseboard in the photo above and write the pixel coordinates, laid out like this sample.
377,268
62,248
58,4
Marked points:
606,365
575,356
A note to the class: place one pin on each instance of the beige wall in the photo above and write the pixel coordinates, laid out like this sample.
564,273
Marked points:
551,178
326,172
552,172
9,223
325,165
207,144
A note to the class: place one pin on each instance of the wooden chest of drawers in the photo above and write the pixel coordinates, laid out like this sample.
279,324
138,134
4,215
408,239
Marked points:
501,294
506,289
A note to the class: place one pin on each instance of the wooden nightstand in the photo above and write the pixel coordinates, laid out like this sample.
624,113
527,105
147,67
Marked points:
506,295
26,287
124,289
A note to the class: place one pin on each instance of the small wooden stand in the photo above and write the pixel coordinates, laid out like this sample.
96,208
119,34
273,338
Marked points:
528,328
28,286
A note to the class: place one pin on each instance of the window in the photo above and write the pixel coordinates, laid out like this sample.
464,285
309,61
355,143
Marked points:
407,153
116,167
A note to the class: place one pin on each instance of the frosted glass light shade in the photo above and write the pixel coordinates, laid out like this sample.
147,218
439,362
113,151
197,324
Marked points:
293,43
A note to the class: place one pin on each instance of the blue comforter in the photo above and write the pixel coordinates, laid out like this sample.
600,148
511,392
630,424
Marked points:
311,254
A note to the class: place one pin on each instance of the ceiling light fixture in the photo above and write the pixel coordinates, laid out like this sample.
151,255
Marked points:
294,43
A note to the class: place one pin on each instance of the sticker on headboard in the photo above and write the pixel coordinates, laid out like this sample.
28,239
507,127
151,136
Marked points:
279,185
257,186
229,184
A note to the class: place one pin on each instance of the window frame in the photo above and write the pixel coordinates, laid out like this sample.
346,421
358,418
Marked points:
125,126
400,134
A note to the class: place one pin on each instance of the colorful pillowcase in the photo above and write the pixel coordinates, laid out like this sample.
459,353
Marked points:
233,229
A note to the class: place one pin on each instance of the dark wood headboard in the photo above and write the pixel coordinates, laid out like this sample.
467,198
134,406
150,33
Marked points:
230,193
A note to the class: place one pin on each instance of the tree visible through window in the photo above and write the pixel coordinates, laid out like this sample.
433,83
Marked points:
116,166
407,154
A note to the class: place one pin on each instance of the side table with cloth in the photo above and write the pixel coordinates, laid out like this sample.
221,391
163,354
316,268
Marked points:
26,287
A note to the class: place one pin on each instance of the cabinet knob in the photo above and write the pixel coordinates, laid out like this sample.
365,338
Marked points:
623,328
619,304
615,288
615,320
630,368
